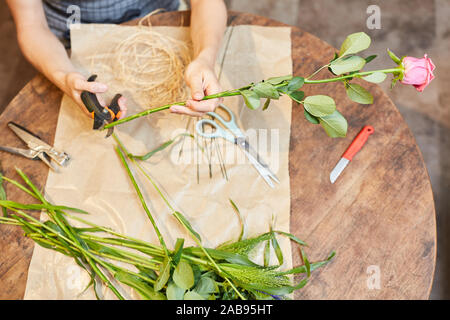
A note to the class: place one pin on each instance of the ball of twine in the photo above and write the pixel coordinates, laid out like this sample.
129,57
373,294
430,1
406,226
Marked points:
148,63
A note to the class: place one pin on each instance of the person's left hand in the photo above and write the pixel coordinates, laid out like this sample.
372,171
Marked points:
200,77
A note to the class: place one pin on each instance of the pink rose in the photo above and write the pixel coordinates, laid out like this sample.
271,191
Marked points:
418,72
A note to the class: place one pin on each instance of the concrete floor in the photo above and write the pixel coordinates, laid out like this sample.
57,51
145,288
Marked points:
408,27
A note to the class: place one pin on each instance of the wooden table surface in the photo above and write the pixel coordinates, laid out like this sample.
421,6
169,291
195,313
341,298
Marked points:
379,216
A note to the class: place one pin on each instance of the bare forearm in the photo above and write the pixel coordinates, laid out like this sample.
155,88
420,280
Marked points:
41,47
208,23
46,53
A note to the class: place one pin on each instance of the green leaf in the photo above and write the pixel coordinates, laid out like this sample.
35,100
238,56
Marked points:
313,266
334,124
223,255
306,263
270,290
96,246
160,148
283,89
355,43
251,99
292,237
206,286
164,274
301,284
267,254
278,80
393,82
178,250
2,193
187,225
197,272
243,247
370,58
266,104
277,249
319,105
192,295
348,64
394,58
36,206
297,96
266,90
358,94
376,77
174,292
310,117
143,288
295,84
149,273
183,276
241,221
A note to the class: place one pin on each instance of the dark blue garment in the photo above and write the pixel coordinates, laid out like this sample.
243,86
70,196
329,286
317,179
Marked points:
60,12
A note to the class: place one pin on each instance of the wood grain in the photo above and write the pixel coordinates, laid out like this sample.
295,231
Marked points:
380,212
36,107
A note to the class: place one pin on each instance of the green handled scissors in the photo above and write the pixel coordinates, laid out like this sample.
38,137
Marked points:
237,137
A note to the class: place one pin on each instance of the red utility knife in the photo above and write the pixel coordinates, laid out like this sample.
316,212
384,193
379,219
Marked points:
351,151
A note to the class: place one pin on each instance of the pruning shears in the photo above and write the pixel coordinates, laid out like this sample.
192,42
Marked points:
102,115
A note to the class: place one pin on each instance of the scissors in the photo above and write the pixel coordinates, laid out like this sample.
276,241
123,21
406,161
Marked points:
237,137
38,149
102,115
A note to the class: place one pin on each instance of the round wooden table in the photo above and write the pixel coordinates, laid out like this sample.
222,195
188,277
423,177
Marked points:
379,216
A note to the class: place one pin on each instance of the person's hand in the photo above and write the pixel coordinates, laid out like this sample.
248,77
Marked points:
200,77
75,83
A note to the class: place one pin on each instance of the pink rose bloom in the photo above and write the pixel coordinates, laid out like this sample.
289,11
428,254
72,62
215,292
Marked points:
418,72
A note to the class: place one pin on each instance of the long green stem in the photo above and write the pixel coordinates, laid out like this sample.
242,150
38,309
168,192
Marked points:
354,75
20,186
49,239
237,92
56,217
122,147
90,258
167,106
154,252
141,197
128,261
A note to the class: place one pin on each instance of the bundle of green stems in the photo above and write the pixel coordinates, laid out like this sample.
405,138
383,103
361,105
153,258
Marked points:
155,271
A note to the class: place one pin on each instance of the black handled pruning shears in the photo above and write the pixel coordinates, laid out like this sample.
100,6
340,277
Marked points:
101,115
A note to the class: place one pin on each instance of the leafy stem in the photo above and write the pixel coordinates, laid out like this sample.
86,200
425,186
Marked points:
353,75
177,215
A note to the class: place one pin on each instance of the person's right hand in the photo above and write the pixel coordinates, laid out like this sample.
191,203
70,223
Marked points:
75,83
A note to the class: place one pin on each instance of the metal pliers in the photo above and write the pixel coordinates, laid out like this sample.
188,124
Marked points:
38,149
101,115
